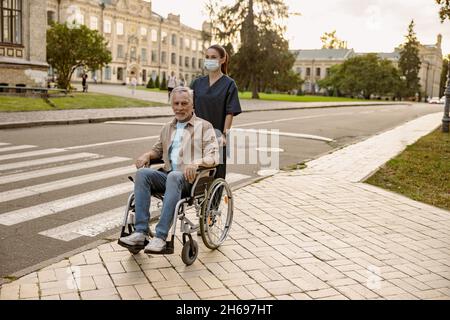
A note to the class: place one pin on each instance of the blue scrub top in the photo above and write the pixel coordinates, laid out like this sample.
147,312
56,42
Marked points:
213,103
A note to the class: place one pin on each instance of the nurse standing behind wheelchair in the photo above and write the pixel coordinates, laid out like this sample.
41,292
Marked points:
216,98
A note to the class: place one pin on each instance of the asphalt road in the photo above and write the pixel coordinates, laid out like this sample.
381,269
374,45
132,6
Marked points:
64,187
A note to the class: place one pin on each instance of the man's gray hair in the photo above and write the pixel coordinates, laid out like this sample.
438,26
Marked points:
187,90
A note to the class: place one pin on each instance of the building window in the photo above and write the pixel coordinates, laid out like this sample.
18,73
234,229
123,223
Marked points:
299,70
11,21
180,61
144,55
107,26
120,51
173,58
199,45
308,72
186,43
200,63
120,74
181,43
174,39
154,35
119,28
133,53
50,17
327,71
163,57
318,72
107,73
194,45
143,31
94,23
154,56
186,62
164,37
193,63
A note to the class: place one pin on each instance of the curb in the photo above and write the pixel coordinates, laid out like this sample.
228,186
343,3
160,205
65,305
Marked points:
15,125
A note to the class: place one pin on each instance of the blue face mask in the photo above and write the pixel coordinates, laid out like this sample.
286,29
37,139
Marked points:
211,64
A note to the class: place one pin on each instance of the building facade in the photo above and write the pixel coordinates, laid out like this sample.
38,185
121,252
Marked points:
22,43
143,44
313,65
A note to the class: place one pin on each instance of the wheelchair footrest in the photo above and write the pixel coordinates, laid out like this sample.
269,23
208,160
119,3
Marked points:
135,247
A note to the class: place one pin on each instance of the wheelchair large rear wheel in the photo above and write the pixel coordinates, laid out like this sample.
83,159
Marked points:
216,214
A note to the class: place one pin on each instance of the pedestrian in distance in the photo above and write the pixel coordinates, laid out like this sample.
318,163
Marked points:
171,83
84,82
133,84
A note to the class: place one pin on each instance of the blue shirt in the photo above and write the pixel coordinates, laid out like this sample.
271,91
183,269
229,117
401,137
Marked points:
176,144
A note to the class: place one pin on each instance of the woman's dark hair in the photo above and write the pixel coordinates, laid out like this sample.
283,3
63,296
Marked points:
223,54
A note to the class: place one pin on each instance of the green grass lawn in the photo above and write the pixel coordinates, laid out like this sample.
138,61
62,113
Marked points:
294,98
77,100
421,172
279,97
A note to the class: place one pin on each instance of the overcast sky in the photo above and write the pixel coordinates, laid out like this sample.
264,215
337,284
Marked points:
366,25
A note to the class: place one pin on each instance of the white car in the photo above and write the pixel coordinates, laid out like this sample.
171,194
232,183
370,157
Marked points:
434,100
442,100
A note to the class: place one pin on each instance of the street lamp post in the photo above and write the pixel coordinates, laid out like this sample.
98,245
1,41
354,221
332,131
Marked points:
446,118
102,9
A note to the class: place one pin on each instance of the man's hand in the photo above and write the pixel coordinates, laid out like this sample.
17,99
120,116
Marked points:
224,139
190,171
142,160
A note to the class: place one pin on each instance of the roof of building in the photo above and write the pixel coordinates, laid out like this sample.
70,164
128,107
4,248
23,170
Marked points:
383,55
323,54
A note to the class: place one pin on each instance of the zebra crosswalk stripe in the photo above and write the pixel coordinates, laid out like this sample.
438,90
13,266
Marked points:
90,226
29,163
61,169
14,148
57,206
30,154
63,183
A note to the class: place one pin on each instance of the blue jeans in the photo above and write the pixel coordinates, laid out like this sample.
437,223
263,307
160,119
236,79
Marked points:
148,181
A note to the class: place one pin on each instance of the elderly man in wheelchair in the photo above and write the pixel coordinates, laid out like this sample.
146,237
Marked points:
188,147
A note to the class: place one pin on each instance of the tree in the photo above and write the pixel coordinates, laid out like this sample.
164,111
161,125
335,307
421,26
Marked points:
364,75
444,10
70,46
330,41
157,83
409,62
254,27
150,83
444,74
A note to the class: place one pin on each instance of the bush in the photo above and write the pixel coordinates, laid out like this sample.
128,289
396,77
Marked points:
163,85
157,84
150,84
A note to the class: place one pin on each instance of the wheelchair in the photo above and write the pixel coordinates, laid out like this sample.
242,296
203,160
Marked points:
213,203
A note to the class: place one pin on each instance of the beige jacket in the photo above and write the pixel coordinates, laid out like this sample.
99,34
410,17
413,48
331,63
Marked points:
198,145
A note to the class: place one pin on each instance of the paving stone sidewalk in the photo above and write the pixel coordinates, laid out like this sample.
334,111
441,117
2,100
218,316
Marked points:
317,233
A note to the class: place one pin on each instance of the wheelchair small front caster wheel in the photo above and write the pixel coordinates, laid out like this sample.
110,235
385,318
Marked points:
188,254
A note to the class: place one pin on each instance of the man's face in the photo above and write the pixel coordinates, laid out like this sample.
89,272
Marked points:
181,106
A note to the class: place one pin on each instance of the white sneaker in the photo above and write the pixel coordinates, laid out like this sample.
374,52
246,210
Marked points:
155,245
134,239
